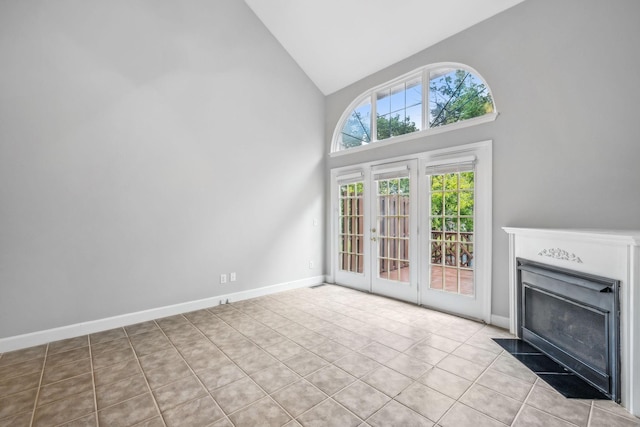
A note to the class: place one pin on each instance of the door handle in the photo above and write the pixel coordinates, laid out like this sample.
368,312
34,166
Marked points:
374,239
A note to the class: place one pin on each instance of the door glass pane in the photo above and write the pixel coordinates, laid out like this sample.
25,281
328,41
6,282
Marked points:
392,219
351,232
451,246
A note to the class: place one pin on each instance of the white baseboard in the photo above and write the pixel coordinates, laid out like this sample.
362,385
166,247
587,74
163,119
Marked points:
42,337
500,321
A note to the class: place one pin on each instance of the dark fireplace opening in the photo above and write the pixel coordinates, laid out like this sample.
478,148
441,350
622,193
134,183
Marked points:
573,318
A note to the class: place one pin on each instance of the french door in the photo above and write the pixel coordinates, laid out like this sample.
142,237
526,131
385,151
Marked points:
449,266
394,231
417,230
377,229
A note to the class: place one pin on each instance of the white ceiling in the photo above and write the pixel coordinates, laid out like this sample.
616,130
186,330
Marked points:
338,42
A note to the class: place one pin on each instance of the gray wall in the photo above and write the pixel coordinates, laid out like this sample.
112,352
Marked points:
564,76
146,147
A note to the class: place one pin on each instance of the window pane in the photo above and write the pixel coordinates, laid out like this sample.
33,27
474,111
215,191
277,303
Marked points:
436,182
350,236
466,255
393,186
450,279
436,277
357,129
456,95
399,109
451,204
383,127
414,92
451,236
451,224
466,203
466,180
383,102
451,253
436,203
404,186
414,103
414,117
451,181
451,94
436,252
397,99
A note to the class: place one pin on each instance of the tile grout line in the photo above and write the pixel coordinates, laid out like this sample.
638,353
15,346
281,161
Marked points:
526,399
336,402
540,380
627,414
433,366
393,399
474,382
93,381
228,416
234,363
451,353
258,385
522,406
192,371
35,403
301,378
358,379
590,413
372,340
135,355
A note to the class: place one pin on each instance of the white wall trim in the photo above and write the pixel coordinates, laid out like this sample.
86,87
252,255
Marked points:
500,321
42,337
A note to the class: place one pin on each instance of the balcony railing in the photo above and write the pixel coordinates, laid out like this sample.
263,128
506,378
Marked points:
455,247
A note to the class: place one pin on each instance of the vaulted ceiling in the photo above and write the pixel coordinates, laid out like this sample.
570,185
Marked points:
338,42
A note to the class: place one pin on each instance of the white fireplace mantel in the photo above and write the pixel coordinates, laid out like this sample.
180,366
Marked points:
613,254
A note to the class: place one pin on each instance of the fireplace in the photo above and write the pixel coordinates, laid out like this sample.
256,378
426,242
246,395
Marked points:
613,254
573,318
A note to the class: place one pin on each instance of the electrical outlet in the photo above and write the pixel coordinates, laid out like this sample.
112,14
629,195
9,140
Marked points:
232,277
310,264
223,278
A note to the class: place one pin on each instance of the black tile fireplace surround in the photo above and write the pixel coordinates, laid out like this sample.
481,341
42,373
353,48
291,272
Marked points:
574,319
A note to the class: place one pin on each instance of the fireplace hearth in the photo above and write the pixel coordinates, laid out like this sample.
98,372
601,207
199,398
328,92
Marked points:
574,319
557,376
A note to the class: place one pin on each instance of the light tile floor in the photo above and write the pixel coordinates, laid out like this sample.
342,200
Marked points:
328,356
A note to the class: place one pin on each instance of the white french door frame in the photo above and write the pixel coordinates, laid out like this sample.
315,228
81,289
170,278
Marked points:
478,305
406,291
361,281
483,212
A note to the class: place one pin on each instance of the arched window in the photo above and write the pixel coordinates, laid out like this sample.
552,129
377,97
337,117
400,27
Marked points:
452,93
